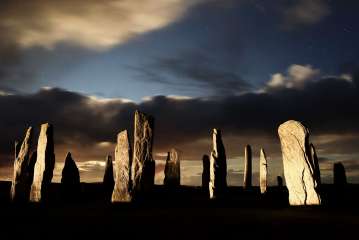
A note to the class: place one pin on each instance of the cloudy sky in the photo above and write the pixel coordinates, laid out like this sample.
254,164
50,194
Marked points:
243,66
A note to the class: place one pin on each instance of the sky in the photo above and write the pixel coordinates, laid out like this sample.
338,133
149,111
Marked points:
243,66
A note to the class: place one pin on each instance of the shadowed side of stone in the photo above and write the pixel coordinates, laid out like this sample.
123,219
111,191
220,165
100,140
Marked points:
121,191
263,171
44,166
143,165
172,169
316,170
218,166
205,173
108,178
340,178
297,163
247,178
21,184
70,180
279,181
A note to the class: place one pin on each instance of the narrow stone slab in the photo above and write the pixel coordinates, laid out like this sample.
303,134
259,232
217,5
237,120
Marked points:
121,191
218,166
108,179
45,163
143,165
20,186
70,172
247,178
172,169
340,177
316,170
298,166
263,171
205,173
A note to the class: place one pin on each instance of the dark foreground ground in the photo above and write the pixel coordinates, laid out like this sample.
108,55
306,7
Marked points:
183,214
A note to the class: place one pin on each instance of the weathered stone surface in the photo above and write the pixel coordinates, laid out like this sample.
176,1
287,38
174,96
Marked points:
315,163
70,172
280,181
45,163
143,165
21,184
121,191
205,173
247,177
218,166
172,169
263,171
297,164
340,177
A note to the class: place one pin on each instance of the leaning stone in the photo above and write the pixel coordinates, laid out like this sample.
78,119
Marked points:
298,167
143,165
205,173
263,171
121,191
340,177
44,166
218,166
20,187
247,181
315,163
172,169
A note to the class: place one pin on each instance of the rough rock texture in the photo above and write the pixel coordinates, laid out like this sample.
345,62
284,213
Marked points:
315,163
247,177
143,165
340,177
263,171
172,169
280,181
297,164
108,179
205,173
45,163
218,166
121,191
21,184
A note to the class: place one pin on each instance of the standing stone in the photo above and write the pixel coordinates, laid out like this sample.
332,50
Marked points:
121,191
108,180
20,187
143,165
315,163
218,166
70,174
205,173
247,181
263,171
340,177
172,169
45,163
297,164
31,168
280,181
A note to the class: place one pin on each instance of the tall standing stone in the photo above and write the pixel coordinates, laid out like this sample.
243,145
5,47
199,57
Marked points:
143,165
218,166
205,173
121,191
316,170
263,171
340,177
20,186
298,166
247,178
45,163
70,173
108,179
172,169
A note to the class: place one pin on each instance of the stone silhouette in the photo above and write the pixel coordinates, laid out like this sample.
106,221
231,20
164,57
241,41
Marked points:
218,166
298,166
205,173
108,179
263,171
143,165
70,180
172,169
121,191
340,177
247,178
280,181
315,163
44,166
21,183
